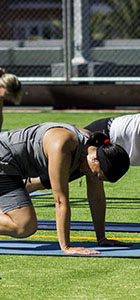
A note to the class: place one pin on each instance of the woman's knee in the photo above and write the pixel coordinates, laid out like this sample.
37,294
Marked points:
24,221
26,229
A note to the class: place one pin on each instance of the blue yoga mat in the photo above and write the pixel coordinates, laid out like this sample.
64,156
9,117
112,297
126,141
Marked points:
4,129
88,226
53,249
36,194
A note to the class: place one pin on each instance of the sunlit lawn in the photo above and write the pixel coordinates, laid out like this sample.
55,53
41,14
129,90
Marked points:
67,278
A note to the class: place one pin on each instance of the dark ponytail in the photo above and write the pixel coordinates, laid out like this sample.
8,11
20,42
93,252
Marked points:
114,160
97,139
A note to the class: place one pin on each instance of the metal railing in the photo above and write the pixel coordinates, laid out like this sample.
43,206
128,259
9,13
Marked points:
71,41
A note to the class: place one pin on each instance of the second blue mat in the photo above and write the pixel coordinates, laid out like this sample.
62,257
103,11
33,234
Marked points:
88,226
53,249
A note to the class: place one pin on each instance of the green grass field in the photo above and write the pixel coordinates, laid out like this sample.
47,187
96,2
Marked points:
75,278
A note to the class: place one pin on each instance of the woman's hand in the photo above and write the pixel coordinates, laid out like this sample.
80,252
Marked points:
109,243
79,250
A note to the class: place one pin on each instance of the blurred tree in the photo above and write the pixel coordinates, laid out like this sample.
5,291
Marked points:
121,21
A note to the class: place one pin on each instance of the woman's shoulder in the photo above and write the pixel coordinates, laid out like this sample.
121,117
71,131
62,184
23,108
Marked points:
57,138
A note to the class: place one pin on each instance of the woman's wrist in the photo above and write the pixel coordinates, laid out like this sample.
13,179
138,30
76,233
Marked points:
101,241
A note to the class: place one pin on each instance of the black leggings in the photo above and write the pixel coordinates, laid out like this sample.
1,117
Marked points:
100,125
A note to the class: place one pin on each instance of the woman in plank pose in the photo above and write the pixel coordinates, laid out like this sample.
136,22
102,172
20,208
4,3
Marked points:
56,153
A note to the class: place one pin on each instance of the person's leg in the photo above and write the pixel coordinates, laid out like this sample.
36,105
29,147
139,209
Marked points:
38,183
17,214
99,125
33,184
18,223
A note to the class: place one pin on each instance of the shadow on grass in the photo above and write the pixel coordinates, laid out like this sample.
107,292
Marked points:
112,203
123,203
45,202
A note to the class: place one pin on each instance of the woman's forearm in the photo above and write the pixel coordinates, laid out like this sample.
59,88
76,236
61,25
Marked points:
63,223
97,202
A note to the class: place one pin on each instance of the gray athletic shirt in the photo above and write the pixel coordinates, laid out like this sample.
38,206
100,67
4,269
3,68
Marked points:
21,151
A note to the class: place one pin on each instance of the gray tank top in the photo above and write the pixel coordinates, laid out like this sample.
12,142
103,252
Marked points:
21,151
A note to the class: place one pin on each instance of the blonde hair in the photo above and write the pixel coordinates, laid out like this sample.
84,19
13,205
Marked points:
11,83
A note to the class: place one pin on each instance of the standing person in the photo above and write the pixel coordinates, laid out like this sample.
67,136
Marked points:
10,89
56,152
124,131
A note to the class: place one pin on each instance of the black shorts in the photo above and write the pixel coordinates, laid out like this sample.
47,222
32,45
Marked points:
13,194
102,125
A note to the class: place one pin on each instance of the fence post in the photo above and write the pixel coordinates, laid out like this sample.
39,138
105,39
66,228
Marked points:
67,38
81,32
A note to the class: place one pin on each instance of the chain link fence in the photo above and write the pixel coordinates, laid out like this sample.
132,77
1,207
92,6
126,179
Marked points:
66,41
